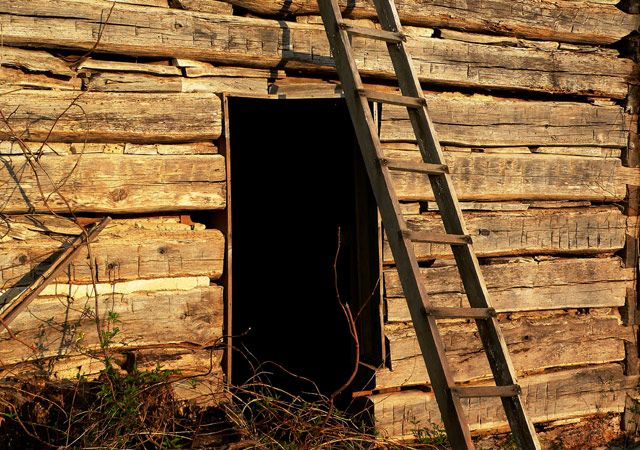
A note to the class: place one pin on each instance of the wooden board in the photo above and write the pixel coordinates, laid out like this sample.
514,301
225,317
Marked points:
120,82
208,6
568,21
113,183
34,61
233,40
130,249
90,65
53,324
576,231
479,121
108,117
548,397
63,148
504,177
12,79
524,285
535,342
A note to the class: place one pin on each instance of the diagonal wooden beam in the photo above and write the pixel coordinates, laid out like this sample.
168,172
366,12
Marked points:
19,303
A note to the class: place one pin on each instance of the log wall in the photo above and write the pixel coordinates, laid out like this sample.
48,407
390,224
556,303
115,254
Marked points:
115,108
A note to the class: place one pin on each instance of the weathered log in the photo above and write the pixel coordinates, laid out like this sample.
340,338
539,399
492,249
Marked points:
12,79
91,64
504,177
34,61
566,21
208,6
547,396
524,285
535,231
535,343
113,183
57,327
232,40
128,250
119,82
62,148
108,117
485,121
194,69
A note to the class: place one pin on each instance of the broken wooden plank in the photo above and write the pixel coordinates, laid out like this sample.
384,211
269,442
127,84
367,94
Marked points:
600,23
113,183
488,206
128,250
577,231
34,61
12,79
547,396
16,304
62,148
524,285
479,121
193,316
507,177
108,117
91,64
233,40
120,82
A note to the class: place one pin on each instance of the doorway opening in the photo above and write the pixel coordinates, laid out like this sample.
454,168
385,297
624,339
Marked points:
297,182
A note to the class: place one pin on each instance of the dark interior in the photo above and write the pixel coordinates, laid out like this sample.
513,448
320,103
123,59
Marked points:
296,179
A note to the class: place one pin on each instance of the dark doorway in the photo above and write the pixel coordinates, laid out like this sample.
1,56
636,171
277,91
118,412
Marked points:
296,179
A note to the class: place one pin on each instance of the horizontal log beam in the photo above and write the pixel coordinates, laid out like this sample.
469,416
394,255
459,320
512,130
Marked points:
526,285
535,231
147,318
38,115
547,397
63,148
505,177
564,21
535,343
467,121
128,250
233,40
113,183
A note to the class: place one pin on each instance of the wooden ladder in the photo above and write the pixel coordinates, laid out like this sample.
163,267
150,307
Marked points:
447,393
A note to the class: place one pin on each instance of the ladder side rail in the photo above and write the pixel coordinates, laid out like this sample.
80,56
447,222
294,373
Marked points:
469,268
428,336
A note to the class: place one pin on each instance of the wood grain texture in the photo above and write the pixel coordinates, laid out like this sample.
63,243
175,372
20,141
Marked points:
53,324
108,117
232,40
34,61
113,183
569,21
479,121
120,82
535,342
524,284
208,6
577,231
12,79
64,148
548,397
128,250
504,177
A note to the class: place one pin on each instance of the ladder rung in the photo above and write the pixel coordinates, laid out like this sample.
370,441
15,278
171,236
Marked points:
373,33
414,166
461,313
394,99
486,391
437,238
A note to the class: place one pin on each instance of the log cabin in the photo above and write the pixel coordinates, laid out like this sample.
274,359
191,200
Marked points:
177,117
